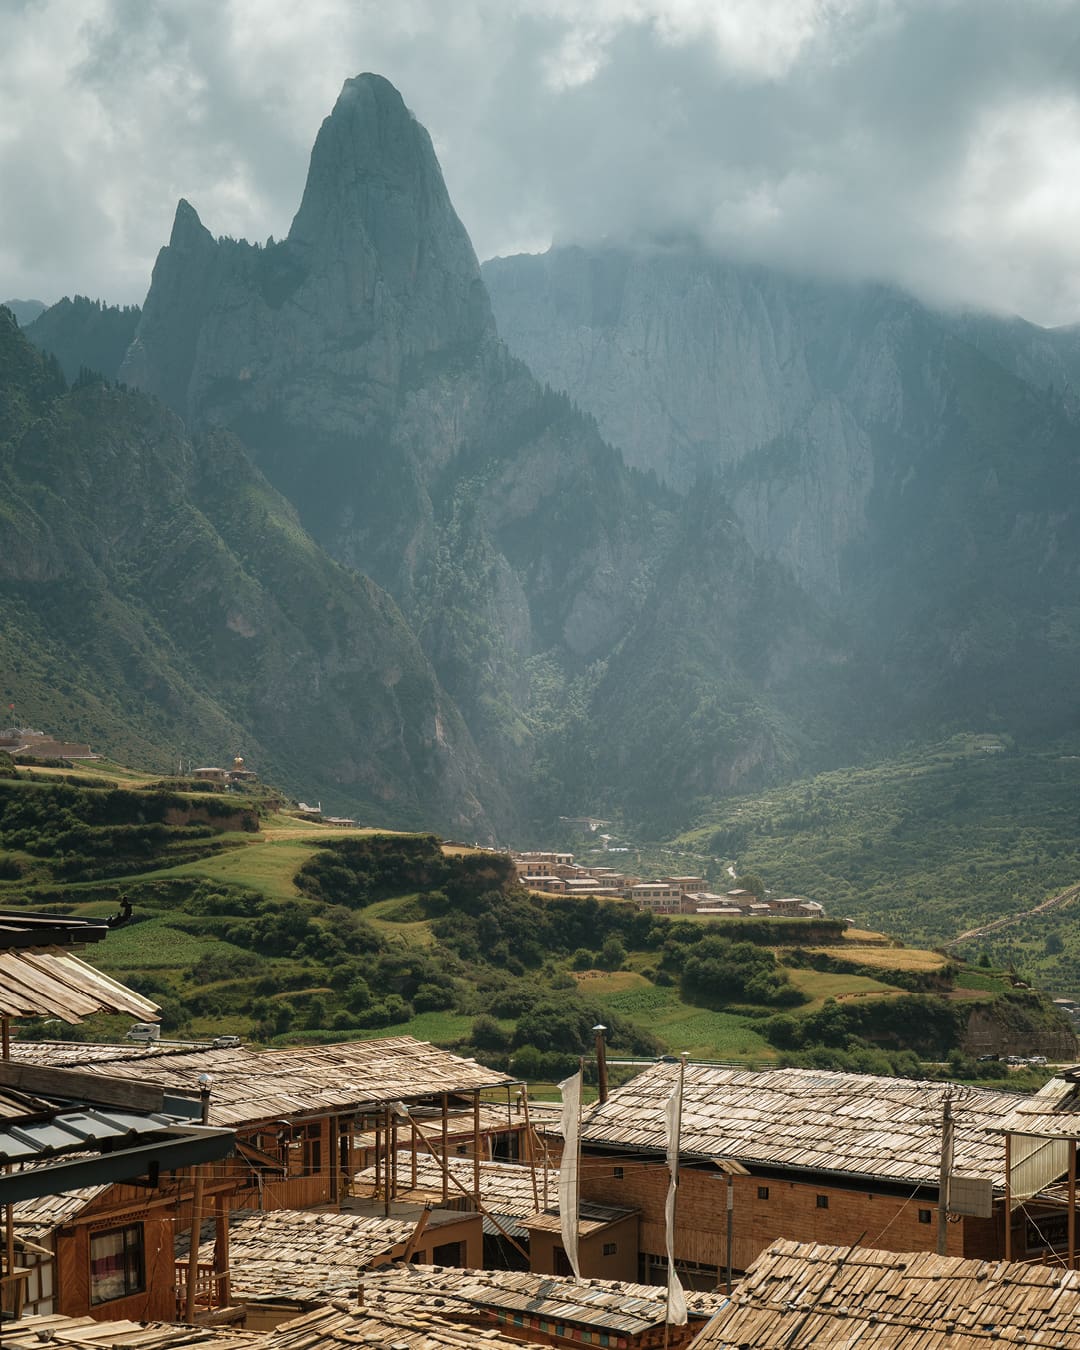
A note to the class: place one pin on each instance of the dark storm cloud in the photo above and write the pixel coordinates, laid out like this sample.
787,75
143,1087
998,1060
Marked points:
935,143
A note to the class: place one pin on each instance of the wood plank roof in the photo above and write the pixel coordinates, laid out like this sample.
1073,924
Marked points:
801,1295
86,1333
56,984
1052,1113
254,1085
610,1305
809,1120
306,1256
347,1328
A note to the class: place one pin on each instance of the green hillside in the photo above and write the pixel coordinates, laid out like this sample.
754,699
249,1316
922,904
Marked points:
261,924
925,845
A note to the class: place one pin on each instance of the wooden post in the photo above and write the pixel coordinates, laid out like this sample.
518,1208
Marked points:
445,1149
730,1225
412,1179
196,1215
1072,1204
386,1168
601,1063
476,1143
9,1210
221,1252
378,1159
1008,1197
391,1170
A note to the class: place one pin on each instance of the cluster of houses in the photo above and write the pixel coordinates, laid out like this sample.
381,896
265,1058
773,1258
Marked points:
558,874
390,1193
26,743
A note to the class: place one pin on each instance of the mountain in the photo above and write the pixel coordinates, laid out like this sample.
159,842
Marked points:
160,598
910,468
358,361
25,311
85,335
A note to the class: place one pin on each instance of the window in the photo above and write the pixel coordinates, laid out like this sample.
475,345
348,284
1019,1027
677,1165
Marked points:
610,1248
117,1267
617,1173
763,1192
924,1216
822,1202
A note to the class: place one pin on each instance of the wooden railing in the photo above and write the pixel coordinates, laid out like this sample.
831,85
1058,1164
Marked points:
205,1287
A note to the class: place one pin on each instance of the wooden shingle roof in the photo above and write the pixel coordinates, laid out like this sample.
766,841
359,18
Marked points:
306,1256
57,984
408,1329
254,1085
86,1333
609,1305
810,1120
801,1295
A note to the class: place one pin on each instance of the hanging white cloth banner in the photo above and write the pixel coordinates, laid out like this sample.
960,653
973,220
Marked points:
676,1302
569,1179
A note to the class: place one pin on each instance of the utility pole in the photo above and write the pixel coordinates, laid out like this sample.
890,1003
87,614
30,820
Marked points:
945,1175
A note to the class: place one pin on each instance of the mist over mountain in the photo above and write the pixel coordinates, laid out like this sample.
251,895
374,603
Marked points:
25,311
915,470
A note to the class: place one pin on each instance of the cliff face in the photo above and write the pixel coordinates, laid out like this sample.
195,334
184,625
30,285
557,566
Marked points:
908,467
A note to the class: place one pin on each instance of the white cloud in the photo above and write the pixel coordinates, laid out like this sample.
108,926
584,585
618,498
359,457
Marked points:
932,142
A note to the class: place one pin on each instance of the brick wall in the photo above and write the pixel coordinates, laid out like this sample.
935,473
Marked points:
790,1209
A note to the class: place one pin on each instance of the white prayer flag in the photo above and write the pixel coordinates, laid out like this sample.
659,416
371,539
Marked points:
676,1302
569,1187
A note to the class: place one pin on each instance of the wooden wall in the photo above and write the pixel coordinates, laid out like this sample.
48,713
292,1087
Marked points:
156,1303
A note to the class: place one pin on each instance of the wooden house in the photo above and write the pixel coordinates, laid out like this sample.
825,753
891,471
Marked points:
806,1294
519,1205
799,1153
294,1113
544,1309
286,1262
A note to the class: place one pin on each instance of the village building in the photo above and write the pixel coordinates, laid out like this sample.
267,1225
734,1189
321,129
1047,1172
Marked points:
806,1294
540,1309
26,743
807,1154
286,1262
294,1113
66,1132
519,1205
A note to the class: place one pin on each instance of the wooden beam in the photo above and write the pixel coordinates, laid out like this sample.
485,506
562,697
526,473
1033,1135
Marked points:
78,1085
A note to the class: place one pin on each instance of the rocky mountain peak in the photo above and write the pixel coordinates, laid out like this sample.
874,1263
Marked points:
376,211
188,230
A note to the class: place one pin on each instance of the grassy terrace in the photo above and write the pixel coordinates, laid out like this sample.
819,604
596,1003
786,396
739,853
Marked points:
296,931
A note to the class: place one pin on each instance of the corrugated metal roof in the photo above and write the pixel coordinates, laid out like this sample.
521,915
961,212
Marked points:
70,1130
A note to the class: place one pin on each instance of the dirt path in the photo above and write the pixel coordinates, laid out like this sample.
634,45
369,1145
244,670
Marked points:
1007,920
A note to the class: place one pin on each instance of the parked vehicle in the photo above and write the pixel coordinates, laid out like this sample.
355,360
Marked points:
146,1032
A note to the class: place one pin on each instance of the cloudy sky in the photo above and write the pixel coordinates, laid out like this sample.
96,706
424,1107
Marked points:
935,143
